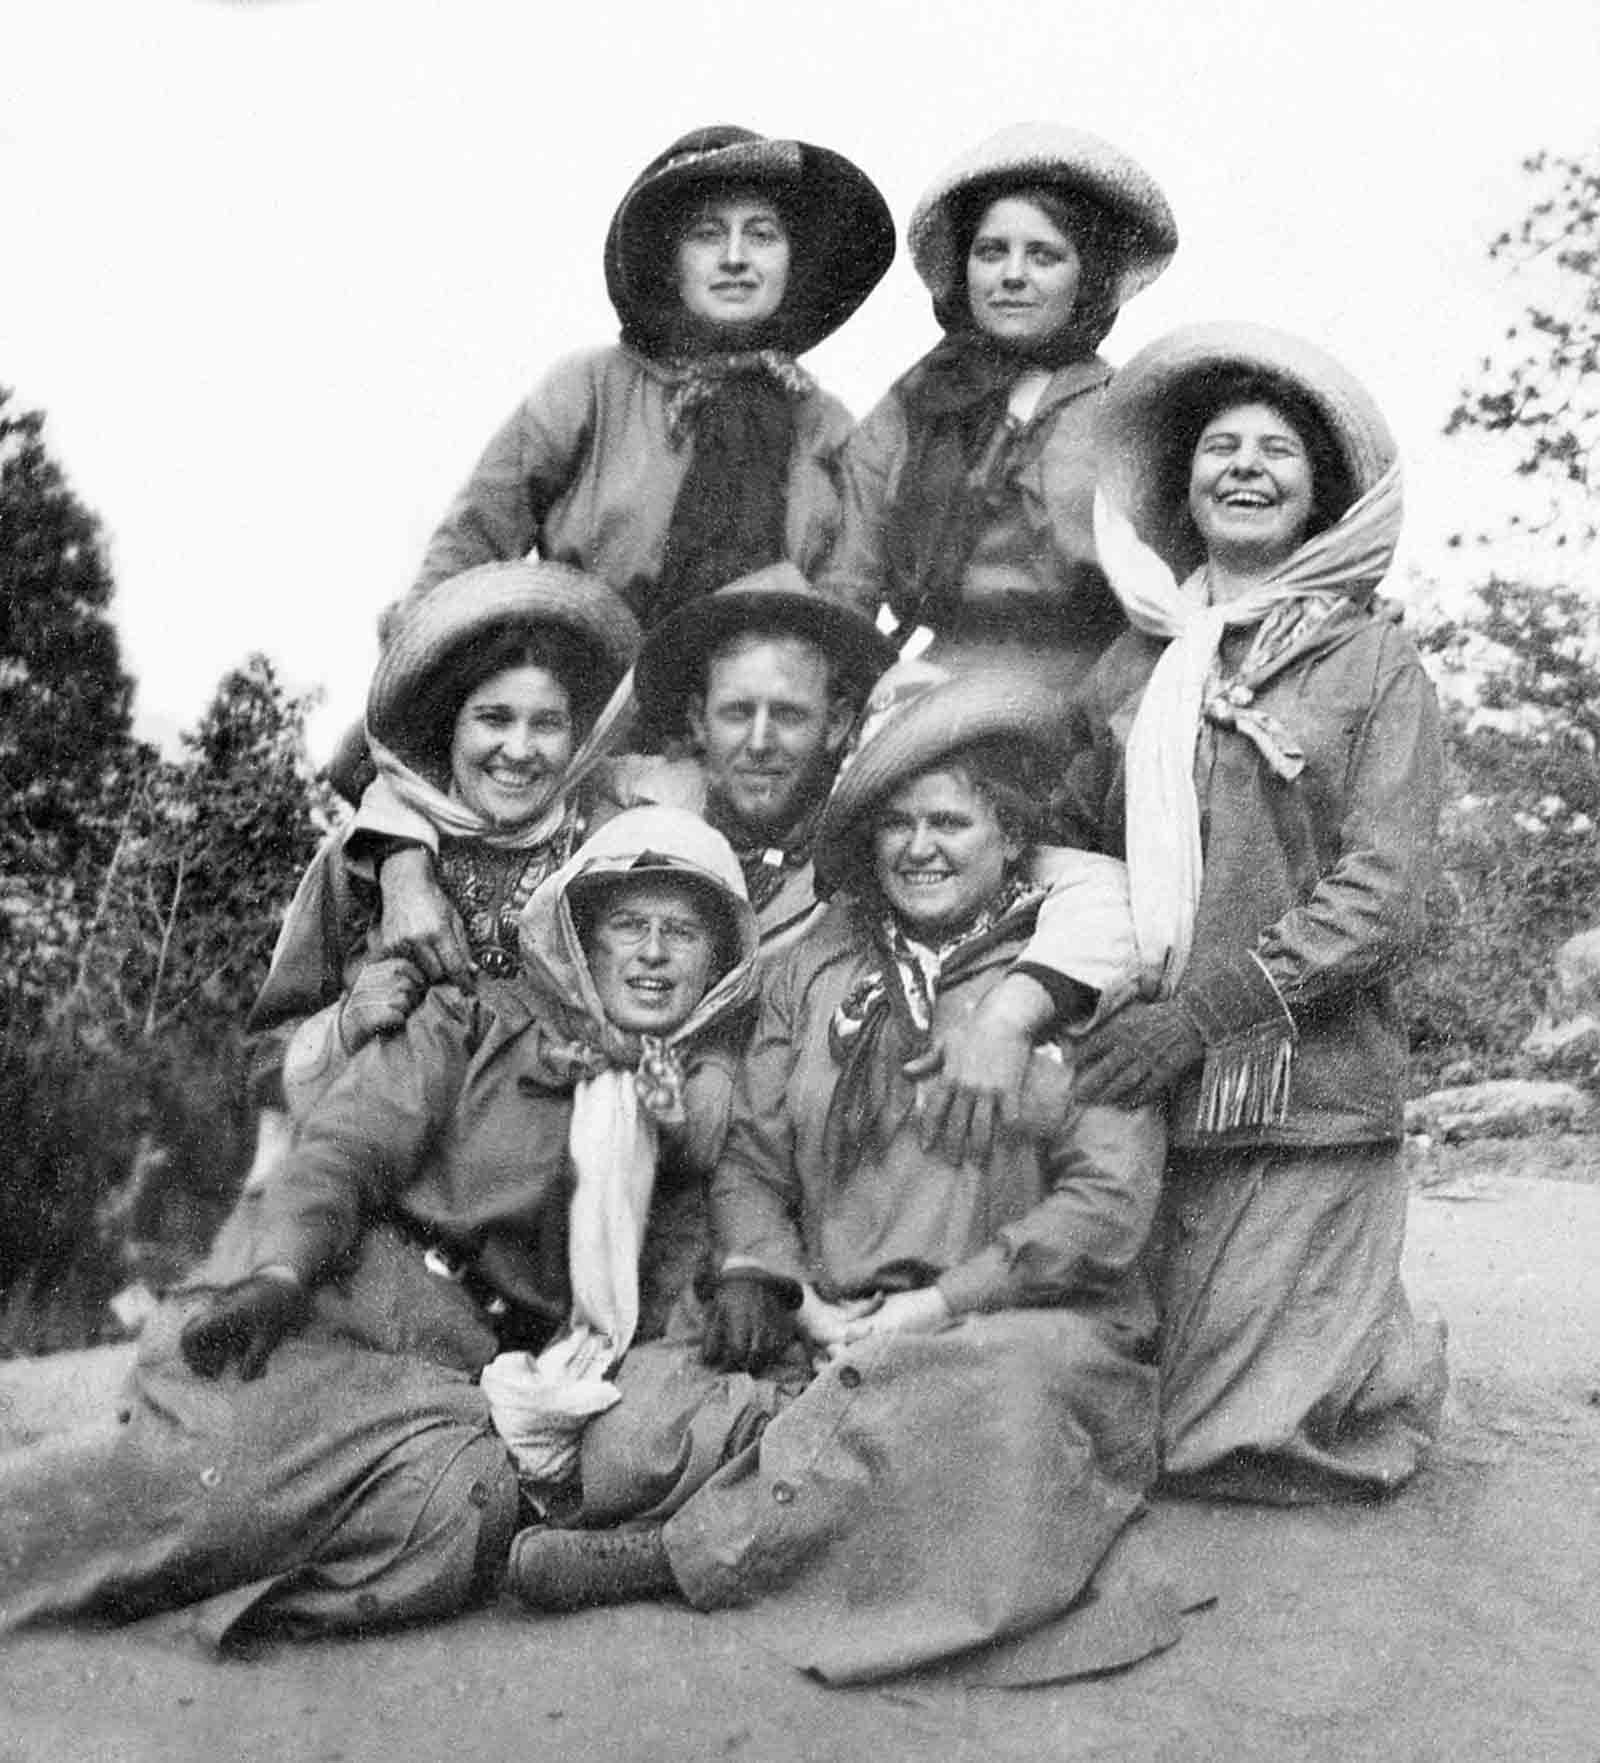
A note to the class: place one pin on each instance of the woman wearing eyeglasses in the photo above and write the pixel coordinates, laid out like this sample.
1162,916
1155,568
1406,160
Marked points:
403,1333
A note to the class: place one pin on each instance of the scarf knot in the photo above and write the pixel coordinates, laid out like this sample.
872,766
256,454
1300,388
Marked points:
702,378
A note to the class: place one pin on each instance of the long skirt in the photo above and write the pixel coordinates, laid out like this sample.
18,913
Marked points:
920,1497
357,1482
1291,1365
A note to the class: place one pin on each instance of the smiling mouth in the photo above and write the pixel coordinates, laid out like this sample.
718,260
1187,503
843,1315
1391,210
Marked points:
1248,500
922,878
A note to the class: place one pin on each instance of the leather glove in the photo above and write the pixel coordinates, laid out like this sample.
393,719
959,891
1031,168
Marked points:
753,1317
384,994
1138,1055
244,1322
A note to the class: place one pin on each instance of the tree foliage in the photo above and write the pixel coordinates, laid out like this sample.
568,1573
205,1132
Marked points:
1541,388
1520,658
64,697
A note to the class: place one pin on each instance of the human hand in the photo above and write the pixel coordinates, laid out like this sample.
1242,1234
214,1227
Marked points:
751,1319
923,1311
970,1081
823,1322
383,995
1138,1055
419,922
244,1322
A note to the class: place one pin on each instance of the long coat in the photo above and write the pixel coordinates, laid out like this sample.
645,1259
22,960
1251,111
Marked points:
1292,1367
926,1493
586,471
1032,583
424,1206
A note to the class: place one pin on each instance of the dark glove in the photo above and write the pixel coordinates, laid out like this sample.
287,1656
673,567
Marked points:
244,1322
1138,1055
751,1320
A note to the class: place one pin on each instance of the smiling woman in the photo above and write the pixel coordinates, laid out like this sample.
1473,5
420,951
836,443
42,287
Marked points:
481,716
877,1300
1264,747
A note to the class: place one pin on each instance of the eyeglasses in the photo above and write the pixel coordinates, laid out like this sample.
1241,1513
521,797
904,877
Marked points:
629,930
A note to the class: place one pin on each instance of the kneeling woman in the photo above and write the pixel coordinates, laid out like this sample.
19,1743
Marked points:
981,1422
304,1441
1264,747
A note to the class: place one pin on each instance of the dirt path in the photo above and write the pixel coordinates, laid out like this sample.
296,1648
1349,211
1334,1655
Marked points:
1461,1622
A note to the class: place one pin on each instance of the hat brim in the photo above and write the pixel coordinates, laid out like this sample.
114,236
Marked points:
984,704
670,669
841,237
1072,160
1143,452
541,595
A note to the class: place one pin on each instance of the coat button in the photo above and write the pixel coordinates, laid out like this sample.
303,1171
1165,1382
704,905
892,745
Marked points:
210,1476
478,1494
849,1377
783,1493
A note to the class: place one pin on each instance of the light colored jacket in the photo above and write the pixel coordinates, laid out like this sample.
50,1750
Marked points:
586,471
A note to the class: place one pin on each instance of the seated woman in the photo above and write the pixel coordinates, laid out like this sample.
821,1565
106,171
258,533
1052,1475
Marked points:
304,1442
968,489
1264,747
980,1422
482,715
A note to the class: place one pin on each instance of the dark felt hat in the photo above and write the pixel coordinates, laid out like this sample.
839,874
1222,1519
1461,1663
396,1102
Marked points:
776,600
841,232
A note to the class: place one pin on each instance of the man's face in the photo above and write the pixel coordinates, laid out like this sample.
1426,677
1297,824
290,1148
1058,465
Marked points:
769,729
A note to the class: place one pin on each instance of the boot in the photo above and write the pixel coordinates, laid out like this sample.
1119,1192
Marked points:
577,1569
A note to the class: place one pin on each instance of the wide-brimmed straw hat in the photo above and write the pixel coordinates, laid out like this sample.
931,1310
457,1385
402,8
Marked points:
777,600
474,606
840,231
1160,401
918,715
1078,163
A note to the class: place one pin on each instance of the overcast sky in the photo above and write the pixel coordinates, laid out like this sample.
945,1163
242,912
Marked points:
275,269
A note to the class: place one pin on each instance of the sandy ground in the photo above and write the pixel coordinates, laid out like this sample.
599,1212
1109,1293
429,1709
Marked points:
1461,1621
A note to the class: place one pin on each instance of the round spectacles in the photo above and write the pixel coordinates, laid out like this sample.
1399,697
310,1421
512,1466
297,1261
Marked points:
629,930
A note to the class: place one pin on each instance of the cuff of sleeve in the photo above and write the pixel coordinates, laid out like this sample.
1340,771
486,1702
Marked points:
981,1283
1074,1002
1229,996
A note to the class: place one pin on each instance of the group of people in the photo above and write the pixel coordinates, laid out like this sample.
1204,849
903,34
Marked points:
852,1033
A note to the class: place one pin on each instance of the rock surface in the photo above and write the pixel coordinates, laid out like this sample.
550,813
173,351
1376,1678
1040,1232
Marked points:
1507,1108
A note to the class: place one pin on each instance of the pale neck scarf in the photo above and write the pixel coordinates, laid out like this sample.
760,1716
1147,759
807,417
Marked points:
453,819
541,1405
1163,812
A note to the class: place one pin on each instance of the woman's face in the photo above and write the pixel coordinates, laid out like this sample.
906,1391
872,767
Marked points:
939,852
1023,273
733,259
513,738
650,950
1250,489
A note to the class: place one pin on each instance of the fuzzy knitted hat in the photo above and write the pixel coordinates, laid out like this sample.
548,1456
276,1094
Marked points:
1081,165
1160,401
840,231
918,715
777,600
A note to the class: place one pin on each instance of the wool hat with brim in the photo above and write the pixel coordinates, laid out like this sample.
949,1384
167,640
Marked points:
778,601
474,606
921,715
1078,163
841,233
1157,405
